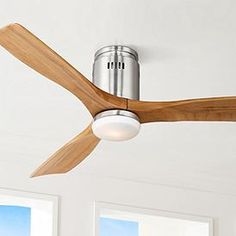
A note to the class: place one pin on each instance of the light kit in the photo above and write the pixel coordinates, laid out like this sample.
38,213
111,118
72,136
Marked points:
116,125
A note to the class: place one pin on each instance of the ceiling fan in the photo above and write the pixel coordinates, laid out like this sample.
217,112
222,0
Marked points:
112,98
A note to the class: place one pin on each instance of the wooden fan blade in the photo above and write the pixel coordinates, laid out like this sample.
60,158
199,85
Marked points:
69,155
204,109
37,55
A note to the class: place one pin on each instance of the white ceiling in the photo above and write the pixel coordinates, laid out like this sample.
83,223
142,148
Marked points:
187,49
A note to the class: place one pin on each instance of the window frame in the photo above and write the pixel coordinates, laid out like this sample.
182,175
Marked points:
31,200
99,206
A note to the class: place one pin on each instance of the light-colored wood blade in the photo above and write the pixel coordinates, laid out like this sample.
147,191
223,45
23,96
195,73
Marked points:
204,109
70,155
33,52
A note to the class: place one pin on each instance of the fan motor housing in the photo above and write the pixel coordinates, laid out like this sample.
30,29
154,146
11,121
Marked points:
116,71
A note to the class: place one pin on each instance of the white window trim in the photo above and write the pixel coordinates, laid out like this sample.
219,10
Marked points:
36,202
100,206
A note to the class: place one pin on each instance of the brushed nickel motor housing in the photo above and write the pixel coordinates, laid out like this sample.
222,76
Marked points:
116,71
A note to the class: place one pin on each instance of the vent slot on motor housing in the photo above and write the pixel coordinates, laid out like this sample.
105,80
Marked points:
116,65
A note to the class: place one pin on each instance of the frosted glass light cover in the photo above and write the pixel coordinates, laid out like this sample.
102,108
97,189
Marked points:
116,128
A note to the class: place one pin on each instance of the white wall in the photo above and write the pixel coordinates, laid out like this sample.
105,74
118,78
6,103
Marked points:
78,193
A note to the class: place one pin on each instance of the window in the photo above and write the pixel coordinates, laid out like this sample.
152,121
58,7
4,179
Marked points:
28,214
119,220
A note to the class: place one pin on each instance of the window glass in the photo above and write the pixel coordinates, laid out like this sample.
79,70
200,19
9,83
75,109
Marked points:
114,227
15,221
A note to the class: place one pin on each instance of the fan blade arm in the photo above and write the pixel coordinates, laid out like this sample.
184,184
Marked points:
202,109
70,155
29,49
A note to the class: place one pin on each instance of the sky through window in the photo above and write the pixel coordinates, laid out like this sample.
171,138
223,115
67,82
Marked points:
14,221
114,227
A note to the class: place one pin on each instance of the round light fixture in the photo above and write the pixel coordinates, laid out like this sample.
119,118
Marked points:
116,125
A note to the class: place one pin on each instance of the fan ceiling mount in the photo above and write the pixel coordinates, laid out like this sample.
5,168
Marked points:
112,98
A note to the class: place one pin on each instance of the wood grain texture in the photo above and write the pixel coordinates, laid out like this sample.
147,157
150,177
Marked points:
70,155
204,109
33,52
